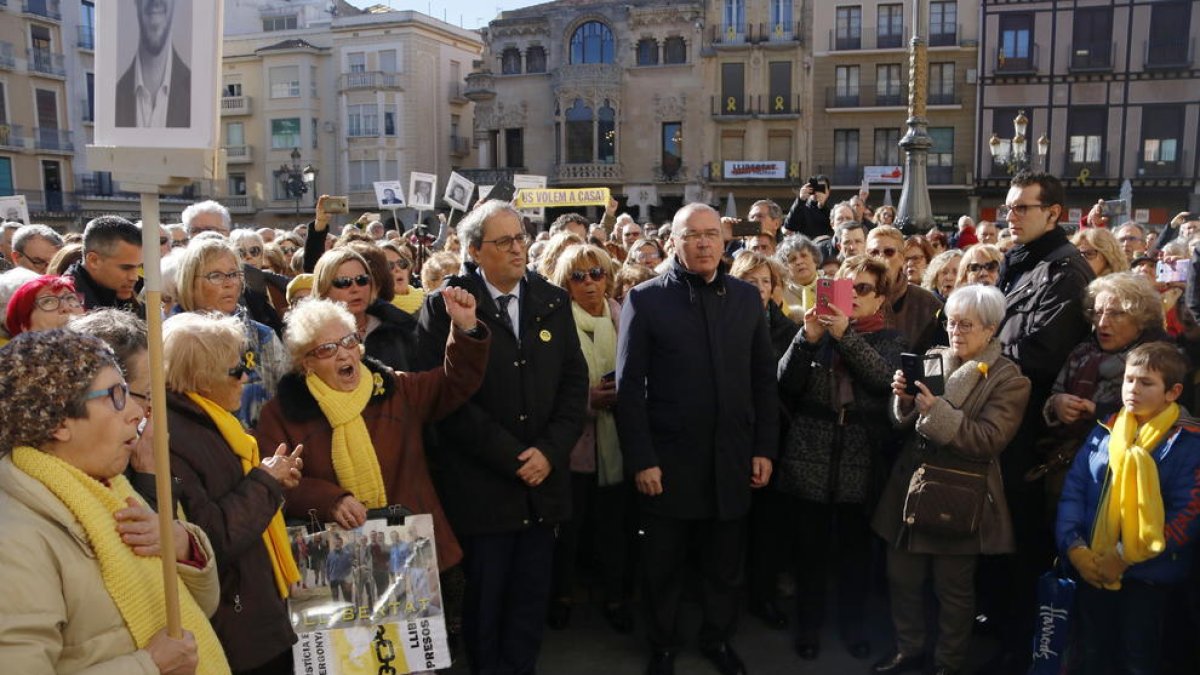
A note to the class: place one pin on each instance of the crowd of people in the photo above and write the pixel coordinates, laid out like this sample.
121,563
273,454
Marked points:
653,409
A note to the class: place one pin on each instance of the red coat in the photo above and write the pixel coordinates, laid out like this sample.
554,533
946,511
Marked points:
395,419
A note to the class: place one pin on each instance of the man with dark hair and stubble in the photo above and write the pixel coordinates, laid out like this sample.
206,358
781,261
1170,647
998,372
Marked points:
108,274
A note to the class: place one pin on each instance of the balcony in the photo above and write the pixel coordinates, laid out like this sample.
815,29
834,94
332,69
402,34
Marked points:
867,96
1073,168
12,136
480,87
1025,64
592,172
8,59
732,106
460,146
952,97
368,80
781,34
53,140
240,203
731,34
867,38
87,38
757,105
1169,53
45,62
1096,57
946,36
456,93
235,105
46,9
238,154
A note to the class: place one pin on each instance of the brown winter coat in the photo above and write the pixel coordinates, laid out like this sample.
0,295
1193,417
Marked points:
395,419
966,429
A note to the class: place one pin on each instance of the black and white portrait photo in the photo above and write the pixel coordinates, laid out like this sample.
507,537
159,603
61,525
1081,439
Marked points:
421,188
389,194
155,89
458,191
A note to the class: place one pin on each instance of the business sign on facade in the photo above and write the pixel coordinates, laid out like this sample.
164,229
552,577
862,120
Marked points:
755,170
893,175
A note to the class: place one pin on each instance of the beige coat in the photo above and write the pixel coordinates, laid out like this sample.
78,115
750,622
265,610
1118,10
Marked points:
57,616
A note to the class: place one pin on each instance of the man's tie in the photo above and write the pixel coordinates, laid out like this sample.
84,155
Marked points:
503,301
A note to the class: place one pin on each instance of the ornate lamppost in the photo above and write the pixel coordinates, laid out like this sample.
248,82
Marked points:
296,180
915,214
1015,157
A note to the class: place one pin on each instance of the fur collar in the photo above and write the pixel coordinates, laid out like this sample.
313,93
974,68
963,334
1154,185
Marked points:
963,377
298,405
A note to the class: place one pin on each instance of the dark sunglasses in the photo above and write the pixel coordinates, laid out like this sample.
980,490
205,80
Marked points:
864,289
347,282
596,273
253,251
400,264
179,243
118,394
990,266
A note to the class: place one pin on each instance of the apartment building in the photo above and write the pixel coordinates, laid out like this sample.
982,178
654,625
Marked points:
1113,86
860,86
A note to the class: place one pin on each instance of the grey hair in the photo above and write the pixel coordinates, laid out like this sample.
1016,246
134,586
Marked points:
840,205
124,333
13,225
28,232
207,206
194,258
10,281
249,236
306,320
985,302
470,228
682,216
1136,294
773,209
930,281
796,243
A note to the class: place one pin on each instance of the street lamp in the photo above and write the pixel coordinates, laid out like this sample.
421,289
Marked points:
296,180
1015,158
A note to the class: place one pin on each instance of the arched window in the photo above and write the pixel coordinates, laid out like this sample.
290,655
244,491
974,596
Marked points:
674,50
535,59
647,52
510,61
579,133
592,43
606,134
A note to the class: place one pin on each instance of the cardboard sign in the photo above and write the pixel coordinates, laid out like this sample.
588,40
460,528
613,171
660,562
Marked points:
531,198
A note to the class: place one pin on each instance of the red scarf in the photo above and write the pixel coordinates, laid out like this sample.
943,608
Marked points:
869,324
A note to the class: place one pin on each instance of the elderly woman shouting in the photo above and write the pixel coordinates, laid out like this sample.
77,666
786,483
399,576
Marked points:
229,491
944,503
79,551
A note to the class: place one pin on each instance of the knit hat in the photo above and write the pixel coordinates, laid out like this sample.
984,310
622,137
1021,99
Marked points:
301,282
42,377
20,306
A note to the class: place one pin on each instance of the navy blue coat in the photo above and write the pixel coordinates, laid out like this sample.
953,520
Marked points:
696,392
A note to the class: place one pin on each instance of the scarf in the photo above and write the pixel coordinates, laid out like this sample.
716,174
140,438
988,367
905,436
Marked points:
598,340
843,379
134,582
354,459
275,537
1131,506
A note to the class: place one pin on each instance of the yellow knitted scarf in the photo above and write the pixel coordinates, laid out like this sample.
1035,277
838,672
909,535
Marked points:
134,582
245,446
354,459
1131,506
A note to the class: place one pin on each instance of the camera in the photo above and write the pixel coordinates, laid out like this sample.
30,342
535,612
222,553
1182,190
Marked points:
816,183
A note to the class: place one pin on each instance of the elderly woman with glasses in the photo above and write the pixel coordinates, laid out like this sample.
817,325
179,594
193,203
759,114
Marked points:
954,437
230,490
803,259
79,551
834,383
209,278
389,334
43,303
980,264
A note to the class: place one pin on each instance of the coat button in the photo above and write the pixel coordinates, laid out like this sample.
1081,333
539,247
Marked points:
524,362
522,417
525,522
516,364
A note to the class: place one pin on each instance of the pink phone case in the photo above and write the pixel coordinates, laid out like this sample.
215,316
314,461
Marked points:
839,292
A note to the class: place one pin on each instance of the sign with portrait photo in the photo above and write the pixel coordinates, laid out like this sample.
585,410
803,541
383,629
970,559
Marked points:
156,69
14,209
525,181
458,191
421,188
389,194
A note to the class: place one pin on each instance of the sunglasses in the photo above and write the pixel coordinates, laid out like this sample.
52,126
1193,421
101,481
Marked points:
252,252
346,282
885,252
49,303
326,350
118,394
288,250
400,264
864,289
990,266
239,370
596,273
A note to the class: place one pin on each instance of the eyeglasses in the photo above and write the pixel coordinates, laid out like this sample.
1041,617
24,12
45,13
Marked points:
116,393
1090,254
50,303
326,350
400,264
864,289
1095,315
508,243
346,282
708,235
596,273
179,243
36,262
218,278
252,252
884,252
239,370
144,398
1019,210
989,266
959,326
288,250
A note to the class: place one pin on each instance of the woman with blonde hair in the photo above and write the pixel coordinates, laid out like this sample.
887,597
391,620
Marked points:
980,264
389,334
942,273
1100,248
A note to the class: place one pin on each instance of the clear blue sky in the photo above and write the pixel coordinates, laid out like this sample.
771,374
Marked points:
473,14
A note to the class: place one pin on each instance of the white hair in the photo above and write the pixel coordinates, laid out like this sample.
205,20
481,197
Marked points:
207,206
28,232
985,302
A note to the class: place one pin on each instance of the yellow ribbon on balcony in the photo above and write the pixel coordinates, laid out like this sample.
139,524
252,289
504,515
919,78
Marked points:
779,103
731,104
1084,176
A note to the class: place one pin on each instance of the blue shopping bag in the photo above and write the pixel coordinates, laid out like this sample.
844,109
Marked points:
1055,597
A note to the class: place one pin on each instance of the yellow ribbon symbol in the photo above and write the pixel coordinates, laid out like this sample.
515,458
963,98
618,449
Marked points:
249,359
794,170
1084,175
731,32
731,104
779,103
377,379
778,30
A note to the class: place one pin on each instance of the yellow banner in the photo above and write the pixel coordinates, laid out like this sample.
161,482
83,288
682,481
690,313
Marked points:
536,198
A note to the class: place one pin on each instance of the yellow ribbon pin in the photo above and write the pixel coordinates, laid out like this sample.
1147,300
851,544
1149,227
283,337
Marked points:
545,335
779,103
731,104
378,380
249,359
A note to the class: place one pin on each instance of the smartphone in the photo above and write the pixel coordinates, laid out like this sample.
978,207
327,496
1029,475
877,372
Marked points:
745,228
924,368
837,292
504,190
1167,273
816,185
1113,207
336,205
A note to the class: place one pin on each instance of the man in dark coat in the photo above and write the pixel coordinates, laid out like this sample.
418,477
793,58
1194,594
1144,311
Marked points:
502,459
697,415
108,274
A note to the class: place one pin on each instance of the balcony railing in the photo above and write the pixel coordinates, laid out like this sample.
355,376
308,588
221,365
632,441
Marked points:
1097,56
937,174
368,80
592,171
46,62
867,38
53,140
1009,64
727,34
758,105
12,136
238,154
49,202
942,38
1095,168
1169,52
952,97
780,33
8,58
87,37
460,146
47,9
1164,169
239,203
235,105
867,96
843,175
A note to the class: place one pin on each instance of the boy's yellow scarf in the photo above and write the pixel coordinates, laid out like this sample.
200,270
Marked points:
134,582
1131,506
354,459
275,538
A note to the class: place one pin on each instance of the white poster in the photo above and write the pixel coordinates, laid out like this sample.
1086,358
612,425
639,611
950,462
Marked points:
749,170
890,175
170,47
421,188
14,209
458,191
389,194
523,181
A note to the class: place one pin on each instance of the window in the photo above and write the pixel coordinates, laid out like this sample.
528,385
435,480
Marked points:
362,120
592,43
1162,135
780,75
1091,47
232,89
90,112
887,147
845,156
312,82
890,27
314,133
672,148
941,156
941,83
579,133
357,62
674,50
363,172
1016,38
846,90
735,17
387,60
1085,140
389,120
943,23
535,59
647,52
235,134
733,145
87,24
781,19
237,184
275,23
887,84
285,81
779,145
6,177
510,61
3,110
285,133
848,28
733,77
47,114
606,134
1169,42
514,147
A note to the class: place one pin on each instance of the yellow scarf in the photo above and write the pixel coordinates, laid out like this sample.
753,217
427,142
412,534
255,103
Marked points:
598,341
134,582
1131,506
275,538
354,459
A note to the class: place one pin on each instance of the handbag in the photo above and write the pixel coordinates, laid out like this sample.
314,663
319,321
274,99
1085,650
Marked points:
1055,597
945,502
